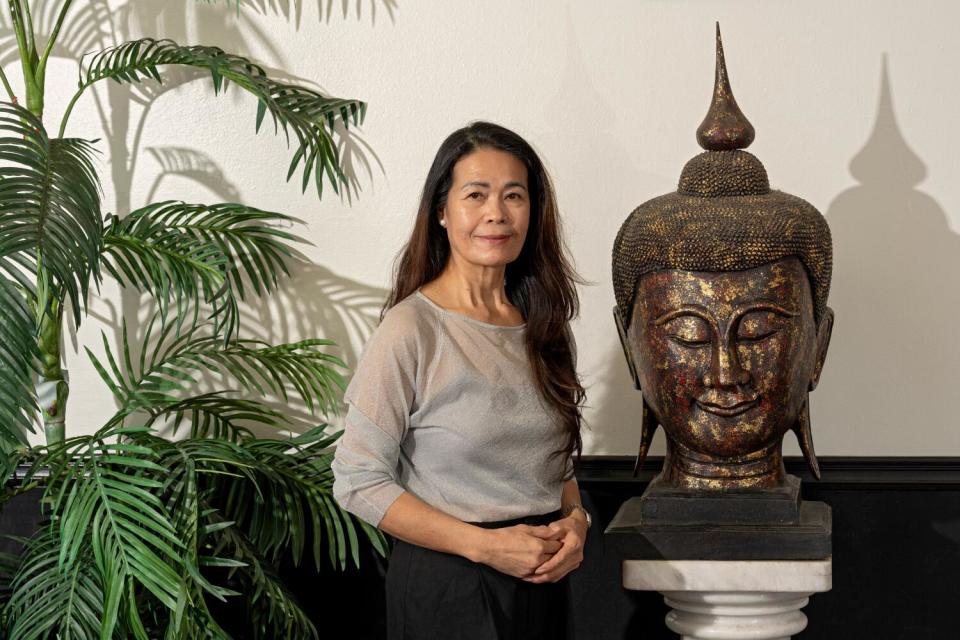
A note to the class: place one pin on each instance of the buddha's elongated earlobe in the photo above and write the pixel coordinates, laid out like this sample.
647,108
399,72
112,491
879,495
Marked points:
805,437
824,331
625,345
648,426
648,423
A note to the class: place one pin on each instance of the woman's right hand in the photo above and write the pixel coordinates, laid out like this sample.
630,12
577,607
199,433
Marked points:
517,550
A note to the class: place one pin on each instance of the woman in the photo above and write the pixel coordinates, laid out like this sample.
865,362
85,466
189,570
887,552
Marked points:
464,411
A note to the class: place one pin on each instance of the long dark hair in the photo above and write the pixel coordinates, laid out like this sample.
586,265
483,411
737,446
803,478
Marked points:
540,282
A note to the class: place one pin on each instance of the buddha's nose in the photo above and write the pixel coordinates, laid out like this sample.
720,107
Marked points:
725,369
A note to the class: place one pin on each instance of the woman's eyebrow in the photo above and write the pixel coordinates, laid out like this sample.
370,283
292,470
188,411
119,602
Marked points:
486,185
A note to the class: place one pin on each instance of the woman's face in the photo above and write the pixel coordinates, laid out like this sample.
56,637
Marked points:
488,208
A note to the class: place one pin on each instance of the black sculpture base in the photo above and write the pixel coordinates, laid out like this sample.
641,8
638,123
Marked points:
650,527
664,504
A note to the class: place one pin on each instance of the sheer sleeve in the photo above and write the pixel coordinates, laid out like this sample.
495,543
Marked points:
379,401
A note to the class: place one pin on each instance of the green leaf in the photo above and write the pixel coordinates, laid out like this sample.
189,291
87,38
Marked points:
183,254
49,204
46,599
18,364
174,363
108,520
305,113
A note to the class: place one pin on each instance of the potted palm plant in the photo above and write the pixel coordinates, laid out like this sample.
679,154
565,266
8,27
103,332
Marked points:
176,501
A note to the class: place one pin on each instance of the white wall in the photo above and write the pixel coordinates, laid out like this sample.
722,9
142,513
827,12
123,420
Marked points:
610,93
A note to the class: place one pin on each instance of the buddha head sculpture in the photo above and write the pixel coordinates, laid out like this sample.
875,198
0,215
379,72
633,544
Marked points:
721,291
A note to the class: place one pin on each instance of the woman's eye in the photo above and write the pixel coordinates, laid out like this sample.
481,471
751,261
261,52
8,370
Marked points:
475,195
514,196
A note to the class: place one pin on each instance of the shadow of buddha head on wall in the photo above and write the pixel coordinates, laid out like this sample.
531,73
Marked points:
721,292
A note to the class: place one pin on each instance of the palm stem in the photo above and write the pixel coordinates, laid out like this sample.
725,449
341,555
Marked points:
49,319
6,85
17,19
31,35
53,408
27,52
66,113
42,64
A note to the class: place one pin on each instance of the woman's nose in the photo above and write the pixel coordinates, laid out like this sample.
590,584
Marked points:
725,369
496,210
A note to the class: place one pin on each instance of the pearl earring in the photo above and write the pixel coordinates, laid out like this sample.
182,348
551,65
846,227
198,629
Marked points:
443,223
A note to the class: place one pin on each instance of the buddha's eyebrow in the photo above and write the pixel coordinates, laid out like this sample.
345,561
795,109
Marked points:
765,306
685,310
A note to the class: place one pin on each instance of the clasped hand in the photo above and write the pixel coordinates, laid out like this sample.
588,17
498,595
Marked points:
539,554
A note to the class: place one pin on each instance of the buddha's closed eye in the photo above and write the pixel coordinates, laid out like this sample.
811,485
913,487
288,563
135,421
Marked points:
757,326
688,331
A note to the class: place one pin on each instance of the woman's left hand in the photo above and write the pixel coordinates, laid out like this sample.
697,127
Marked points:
572,533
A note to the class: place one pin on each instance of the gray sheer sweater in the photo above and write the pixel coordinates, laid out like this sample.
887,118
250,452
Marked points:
446,407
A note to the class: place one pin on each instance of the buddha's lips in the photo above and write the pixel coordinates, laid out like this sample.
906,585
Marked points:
728,410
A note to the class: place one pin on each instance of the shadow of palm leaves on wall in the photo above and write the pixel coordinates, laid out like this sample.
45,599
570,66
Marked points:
317,302
327,10
193,165
292,10
86,31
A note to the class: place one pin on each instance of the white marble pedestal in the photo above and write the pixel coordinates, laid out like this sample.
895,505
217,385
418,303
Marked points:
732,599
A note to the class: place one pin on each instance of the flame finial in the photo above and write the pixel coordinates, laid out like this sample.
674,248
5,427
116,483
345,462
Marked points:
725,127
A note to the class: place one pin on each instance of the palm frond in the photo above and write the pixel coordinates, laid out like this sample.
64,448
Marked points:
171,364
18,364
307,114
191,252
183,492
109,520
8,568
49,203
211,415
143,530
172,267
273,611
296,474
198,471
51,601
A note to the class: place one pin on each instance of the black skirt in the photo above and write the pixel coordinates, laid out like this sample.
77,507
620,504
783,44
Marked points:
433,596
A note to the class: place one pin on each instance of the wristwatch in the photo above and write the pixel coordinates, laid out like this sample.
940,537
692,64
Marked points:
576,506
